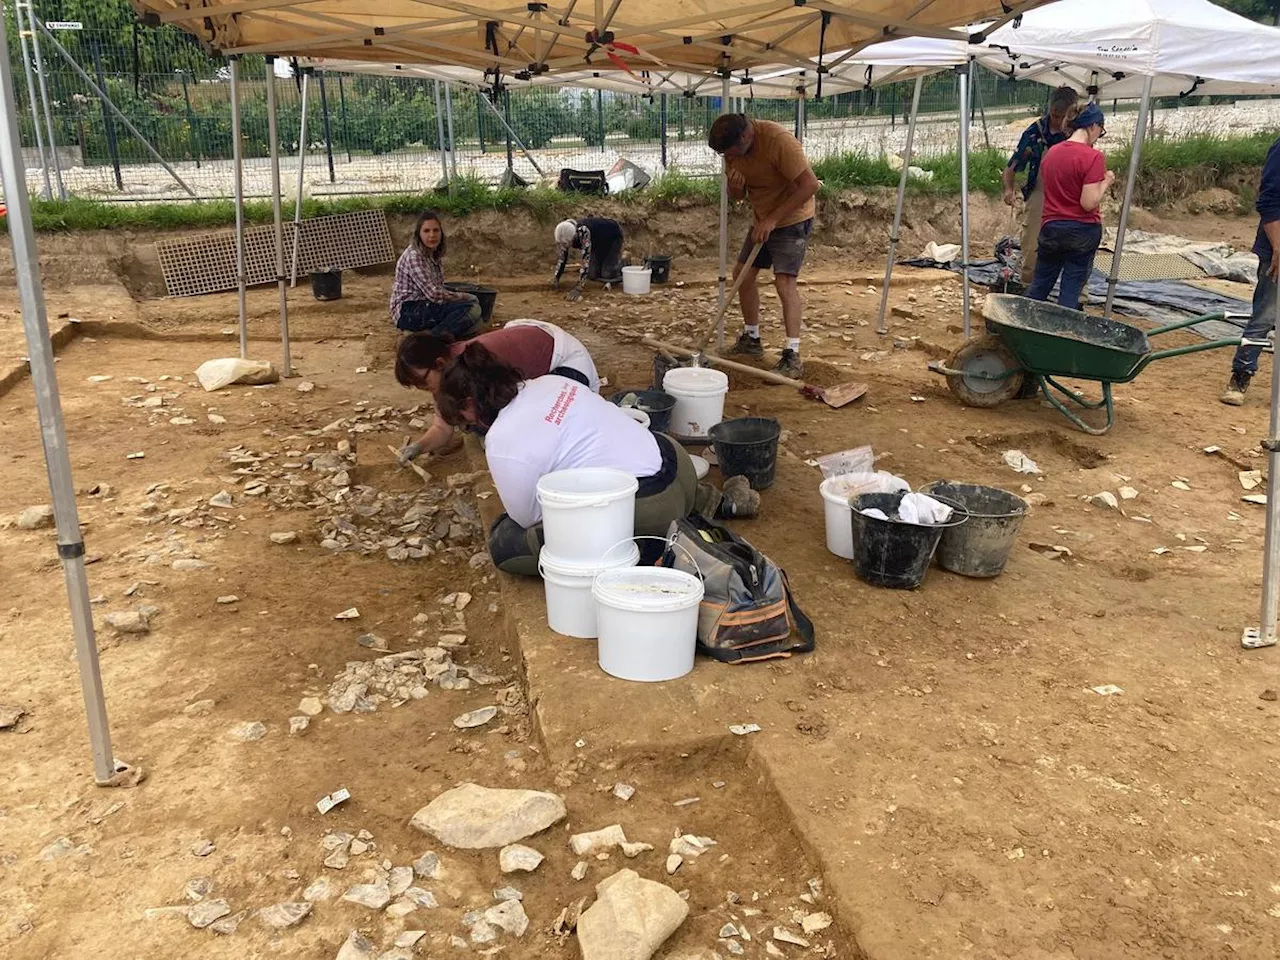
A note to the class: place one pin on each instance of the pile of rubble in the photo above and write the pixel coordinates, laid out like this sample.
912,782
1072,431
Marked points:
399,677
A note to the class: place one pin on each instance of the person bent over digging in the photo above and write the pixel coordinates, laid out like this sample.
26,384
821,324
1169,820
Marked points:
532,347
419,299
536,427
767,165
1263,317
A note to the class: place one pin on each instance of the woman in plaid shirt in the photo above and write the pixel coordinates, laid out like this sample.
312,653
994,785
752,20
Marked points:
419,300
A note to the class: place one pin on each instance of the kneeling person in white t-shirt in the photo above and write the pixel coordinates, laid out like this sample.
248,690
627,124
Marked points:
552,423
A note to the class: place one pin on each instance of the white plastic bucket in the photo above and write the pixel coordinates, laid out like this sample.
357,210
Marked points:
585,511
699,393
647,622
638,415
571,609
835,505
635,280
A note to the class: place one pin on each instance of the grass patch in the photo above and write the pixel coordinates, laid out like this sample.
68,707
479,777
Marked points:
1170,168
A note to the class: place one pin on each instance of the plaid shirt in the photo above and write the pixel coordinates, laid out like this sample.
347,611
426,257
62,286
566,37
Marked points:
418,277
1035,142
581,240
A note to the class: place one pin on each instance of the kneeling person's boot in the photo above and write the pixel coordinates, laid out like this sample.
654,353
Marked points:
1233,396
738,499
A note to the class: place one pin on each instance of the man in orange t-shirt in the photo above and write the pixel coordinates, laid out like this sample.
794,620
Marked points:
767,165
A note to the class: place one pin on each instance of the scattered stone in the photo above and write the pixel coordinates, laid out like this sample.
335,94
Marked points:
674,863
329,801
509,916
36,518
100,378
815,922
624,791
188,563
249,732
1128,493
9,716
421,898
631,918
306,386
409,938
199,887
199,708
783,935
475,718
288,536
743,729
320,889
63,847
396,953
427,867
128,622
310,706
691,847
483,932
351,613
519,858
202,848
375,896
220,499
1269,695
356,947
579,871
734,947
586,844
228,599
773,950
471,817
298,725
282,916
1106,498
1249,479
216,418
1019,461
1180,485
399,880
206,912
633,850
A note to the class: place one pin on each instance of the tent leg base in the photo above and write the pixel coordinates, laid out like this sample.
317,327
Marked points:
1254,640
125,775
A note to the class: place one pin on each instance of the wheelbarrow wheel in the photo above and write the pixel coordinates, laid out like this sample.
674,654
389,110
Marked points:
990,373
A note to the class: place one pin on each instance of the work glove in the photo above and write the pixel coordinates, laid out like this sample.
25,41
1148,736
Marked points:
410,451
574,295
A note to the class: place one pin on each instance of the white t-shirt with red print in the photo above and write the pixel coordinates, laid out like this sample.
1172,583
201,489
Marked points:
556,424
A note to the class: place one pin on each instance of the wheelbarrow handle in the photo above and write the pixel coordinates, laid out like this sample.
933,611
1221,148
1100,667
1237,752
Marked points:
1179,351
1203,318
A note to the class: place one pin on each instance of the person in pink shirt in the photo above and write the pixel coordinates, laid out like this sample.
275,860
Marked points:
1075,177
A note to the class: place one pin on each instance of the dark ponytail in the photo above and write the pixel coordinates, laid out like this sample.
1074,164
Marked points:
419,353
477,375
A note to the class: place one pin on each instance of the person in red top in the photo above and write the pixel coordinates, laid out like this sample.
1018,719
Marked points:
1075,177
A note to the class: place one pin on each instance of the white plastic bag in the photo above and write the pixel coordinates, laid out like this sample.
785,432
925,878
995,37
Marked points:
216,374
850,485
921,509
857,460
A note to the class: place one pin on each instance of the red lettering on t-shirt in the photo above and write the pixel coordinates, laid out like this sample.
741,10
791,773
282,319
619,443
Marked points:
564,400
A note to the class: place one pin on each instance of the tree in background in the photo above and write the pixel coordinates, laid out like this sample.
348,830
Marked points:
1264,11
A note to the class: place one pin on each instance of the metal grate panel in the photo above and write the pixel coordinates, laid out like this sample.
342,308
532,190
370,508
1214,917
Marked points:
1149,266
207,263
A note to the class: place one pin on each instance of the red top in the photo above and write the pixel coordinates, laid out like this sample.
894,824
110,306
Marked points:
1066,169
527,348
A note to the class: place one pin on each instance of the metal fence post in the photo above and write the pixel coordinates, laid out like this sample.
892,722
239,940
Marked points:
328,131
662,121
444,158
600,117
480,119
108,125
506,116
193,140
342,103
448,119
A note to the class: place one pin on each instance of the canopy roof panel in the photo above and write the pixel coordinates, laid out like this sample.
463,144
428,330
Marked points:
694,36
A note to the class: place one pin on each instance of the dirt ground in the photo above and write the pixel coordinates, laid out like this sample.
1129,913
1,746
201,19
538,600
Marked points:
942,760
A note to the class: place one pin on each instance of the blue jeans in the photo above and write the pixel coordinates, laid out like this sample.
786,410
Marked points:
1260,322
458,318
1066,248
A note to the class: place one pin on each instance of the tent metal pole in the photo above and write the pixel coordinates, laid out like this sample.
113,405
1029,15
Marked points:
44,99
237,156
1135,156
448,119
35,323
31,96
107,102
964,193
328,129
511,134
302,167
342,105
662,122
800,118
273,144
506,125
724,231
1264,635
881,326
444,156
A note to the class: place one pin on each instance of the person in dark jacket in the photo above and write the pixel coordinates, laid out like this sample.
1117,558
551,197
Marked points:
1267,246
600,241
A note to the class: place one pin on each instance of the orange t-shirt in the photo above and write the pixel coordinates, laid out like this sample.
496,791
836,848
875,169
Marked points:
775,160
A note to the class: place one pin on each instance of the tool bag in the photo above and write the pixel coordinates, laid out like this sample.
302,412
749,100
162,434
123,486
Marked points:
583,181
747,611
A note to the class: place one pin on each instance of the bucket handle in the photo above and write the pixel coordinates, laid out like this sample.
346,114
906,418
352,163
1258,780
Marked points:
670,542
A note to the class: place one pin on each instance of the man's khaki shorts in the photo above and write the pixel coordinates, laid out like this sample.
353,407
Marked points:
784,250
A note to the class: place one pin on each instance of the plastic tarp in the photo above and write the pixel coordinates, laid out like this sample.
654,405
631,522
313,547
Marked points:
697,36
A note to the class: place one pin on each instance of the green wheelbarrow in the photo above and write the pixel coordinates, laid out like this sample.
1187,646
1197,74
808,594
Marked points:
1043,341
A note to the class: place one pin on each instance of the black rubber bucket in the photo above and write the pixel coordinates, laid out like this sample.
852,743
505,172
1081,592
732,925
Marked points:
659,268
747,447
655,403
486,295
327,285
891,553
980,547
661,365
